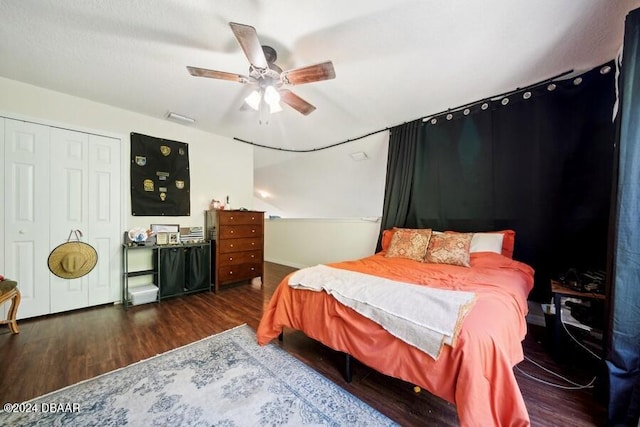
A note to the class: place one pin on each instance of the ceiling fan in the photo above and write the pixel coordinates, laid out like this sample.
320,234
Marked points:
267,76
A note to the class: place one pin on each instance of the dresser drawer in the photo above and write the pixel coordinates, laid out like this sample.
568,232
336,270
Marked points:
235,258
239,231
236,273
240,217
239,245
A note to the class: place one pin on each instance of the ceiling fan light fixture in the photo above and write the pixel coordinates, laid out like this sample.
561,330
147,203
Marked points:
274,108
253,100
271,95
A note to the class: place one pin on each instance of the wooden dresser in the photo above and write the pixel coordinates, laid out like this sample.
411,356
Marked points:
238,237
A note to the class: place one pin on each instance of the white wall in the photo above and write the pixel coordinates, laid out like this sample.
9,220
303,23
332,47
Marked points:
323,184
329,204
219,166
306,242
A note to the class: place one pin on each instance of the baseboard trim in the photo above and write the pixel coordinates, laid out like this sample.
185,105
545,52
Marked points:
284,262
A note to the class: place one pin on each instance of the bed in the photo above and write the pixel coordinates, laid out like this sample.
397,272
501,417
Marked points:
475,372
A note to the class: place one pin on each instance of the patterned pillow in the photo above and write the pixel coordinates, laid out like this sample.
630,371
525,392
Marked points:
409,243
449,248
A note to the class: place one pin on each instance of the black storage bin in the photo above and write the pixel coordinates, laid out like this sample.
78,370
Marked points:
171,273
198,272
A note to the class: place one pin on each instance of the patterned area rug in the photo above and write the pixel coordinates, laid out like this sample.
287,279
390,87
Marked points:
222,380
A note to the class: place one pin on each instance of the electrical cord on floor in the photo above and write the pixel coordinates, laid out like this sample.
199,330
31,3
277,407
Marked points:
578,342
574,386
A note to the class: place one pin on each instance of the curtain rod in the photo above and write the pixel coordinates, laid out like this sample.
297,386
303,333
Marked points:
424,118
501,95
310,150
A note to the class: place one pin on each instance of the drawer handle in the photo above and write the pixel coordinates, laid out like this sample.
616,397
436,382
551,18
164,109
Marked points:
231,272
230,217
253,256
253,269
253,243
253,217
231,245
230,258
231,231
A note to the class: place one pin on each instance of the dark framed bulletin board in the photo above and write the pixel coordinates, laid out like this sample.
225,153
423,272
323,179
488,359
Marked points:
160,184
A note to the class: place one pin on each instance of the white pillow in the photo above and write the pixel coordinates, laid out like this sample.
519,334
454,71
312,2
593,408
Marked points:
486,242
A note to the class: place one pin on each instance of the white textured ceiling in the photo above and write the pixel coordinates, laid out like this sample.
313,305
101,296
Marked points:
395,60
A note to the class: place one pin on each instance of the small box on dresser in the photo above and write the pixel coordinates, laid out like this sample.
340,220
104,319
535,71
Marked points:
239,245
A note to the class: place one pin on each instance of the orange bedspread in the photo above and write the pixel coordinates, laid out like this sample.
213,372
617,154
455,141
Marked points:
476,374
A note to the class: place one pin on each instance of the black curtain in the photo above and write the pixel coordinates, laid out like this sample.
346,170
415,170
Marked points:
623,360
403,142
538,161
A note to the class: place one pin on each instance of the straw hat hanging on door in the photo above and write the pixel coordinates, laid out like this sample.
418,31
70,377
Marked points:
73,258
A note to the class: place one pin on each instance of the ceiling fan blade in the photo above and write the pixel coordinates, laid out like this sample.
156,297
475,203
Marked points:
250,44
309,74
203,72
295,102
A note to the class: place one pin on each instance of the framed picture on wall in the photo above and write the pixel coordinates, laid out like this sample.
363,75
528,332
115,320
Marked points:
162,238
174,238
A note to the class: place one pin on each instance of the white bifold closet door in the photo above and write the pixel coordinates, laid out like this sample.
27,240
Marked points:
84,188
26,213
56,181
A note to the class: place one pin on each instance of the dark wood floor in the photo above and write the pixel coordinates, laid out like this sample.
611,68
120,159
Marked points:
59,350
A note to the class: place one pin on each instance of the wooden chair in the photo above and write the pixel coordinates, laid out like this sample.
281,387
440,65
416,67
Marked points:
9,291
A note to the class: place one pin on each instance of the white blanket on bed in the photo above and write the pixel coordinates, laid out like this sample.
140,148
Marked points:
424,317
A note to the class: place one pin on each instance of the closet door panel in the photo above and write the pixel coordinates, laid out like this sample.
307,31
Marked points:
26,213
105,230
69,210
